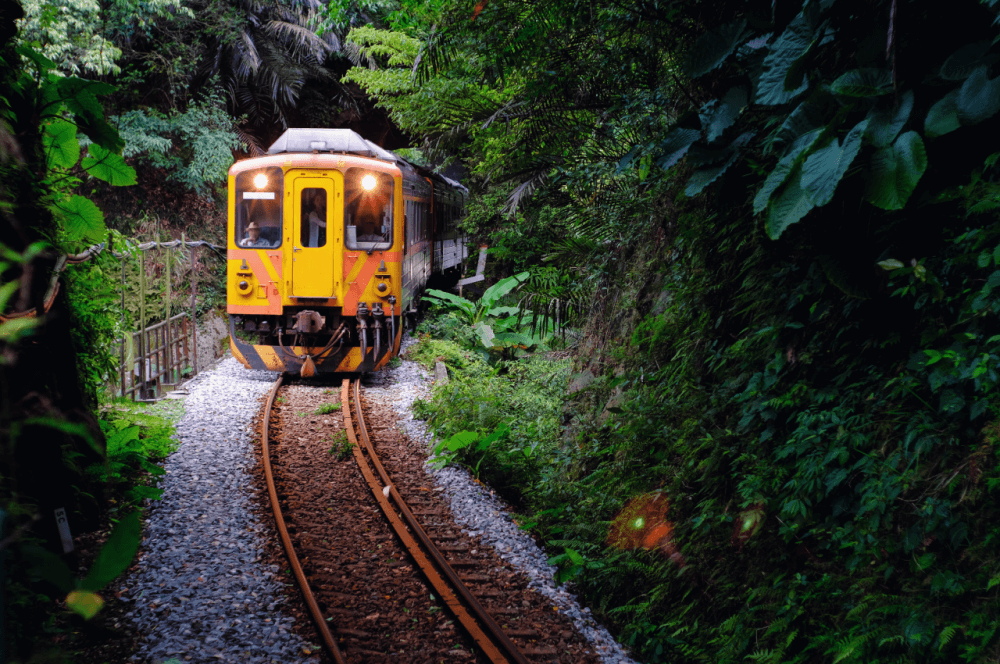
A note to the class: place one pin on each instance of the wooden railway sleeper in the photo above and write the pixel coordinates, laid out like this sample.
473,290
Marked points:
498,648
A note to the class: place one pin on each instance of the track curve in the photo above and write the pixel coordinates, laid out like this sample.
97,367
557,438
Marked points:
477,622
329,642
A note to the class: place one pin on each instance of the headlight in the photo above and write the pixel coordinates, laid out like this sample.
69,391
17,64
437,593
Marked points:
260,181
369,182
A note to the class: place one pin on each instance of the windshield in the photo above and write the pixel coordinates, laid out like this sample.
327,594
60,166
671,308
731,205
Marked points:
367,209
258,208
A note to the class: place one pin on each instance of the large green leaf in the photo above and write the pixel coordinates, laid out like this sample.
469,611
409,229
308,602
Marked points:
501,288
461,440
716,161
62,149
675,146
813,113
84,603
80,96
895,171
485,333
979,97
108,166
888,119
791,45
80,219
442,297
789,207
503,311
943,116
116,554
48,566
712,48
717,116
824,169
783,169
706,176
960,65
866,82
40,61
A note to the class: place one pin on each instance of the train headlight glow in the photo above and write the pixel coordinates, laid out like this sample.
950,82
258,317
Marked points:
368,182
260,181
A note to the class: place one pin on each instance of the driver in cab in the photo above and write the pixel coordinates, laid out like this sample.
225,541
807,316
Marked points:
254,239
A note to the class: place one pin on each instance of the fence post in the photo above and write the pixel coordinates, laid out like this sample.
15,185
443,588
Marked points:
142,325
121,366
166,333
187,347
194,312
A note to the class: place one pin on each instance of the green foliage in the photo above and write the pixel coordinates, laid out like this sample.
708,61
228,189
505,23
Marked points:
495,326
428,349
783,221
64,31
195,147
137,439
500,421
98,323
64,107
328,408
114,558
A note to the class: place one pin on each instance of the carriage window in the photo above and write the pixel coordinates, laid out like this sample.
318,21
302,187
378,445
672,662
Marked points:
314,207
258,208
367,209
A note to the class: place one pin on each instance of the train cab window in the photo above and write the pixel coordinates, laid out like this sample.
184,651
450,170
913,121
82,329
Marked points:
368,199
258,208
314,207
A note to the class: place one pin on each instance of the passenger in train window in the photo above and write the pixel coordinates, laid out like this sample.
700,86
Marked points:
314,214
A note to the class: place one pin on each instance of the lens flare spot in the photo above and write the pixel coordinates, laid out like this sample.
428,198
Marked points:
368,182
643,524
749,522
260,181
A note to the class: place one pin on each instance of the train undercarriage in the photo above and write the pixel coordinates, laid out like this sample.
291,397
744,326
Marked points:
308,341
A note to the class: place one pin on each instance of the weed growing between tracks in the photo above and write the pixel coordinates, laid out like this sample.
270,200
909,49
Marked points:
341,448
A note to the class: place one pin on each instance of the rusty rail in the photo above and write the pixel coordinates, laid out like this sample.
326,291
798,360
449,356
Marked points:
324,631
487,634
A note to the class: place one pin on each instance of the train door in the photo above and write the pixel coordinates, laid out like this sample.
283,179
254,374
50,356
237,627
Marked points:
317,217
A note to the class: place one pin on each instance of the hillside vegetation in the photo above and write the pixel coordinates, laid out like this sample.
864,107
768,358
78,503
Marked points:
776,227
738,363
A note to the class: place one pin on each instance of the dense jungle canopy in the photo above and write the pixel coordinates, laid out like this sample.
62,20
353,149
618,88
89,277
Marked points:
769,231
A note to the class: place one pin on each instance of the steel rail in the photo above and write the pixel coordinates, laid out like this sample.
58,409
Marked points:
324,630
487,634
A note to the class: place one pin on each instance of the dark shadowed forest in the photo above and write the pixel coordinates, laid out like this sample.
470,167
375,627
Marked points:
740,376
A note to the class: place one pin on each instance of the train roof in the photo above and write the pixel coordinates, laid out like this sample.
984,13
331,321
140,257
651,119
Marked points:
328,140
347,141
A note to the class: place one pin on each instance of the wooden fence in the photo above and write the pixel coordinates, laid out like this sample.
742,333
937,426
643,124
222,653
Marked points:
164,354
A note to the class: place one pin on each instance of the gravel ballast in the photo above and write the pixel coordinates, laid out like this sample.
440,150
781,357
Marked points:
200,593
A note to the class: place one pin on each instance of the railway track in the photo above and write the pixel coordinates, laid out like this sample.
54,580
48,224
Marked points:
366,608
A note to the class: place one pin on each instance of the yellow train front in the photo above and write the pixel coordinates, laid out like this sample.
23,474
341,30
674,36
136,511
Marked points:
330,241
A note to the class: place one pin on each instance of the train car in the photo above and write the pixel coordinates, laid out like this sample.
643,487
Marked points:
331,241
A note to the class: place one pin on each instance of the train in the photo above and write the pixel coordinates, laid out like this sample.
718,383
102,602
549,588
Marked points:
331,240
